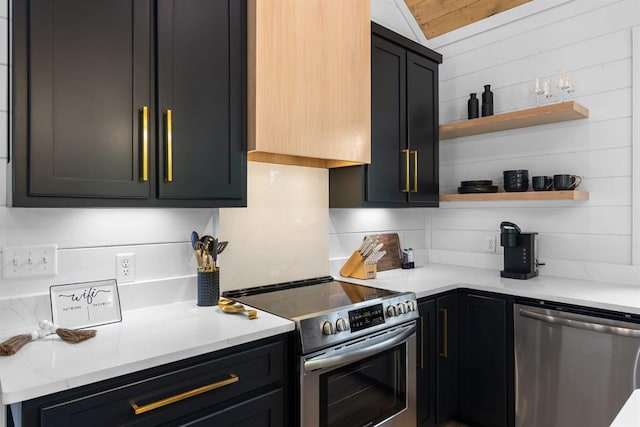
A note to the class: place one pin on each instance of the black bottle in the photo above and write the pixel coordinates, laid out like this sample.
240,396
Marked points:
472,107
487,101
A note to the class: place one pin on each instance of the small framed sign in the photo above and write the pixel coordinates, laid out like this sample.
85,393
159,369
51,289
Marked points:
81,305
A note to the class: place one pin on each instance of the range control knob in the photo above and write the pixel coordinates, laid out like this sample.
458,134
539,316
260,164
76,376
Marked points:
327,328
391,311
411,306
401,308
341,325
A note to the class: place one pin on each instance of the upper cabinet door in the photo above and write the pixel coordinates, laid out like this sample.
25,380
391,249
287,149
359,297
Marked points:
385,175
422,129
200,114
81,82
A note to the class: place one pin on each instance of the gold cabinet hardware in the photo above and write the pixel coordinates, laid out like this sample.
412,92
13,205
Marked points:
422,332
144,167
406,185
169,147
415,171
445,332
182,396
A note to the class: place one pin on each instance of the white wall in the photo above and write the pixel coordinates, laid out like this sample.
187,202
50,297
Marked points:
592,40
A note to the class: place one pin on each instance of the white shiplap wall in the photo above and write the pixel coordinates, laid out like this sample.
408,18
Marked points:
592,39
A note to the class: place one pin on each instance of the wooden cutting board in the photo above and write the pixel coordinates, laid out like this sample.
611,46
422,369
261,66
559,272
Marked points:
393,258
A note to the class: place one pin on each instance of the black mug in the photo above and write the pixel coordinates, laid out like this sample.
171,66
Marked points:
542,183
566,182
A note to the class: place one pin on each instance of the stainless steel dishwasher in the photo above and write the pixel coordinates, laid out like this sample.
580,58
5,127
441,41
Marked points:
574,366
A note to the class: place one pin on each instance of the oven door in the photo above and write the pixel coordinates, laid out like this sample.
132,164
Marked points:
370,381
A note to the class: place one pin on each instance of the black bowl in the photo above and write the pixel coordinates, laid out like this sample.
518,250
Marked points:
520,186
515,174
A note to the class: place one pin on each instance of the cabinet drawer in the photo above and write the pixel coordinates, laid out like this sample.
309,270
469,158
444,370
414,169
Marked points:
188,393
265,410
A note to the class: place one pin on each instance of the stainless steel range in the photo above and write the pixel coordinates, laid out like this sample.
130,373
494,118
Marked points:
356,349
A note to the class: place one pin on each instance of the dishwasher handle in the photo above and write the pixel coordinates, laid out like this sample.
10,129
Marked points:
567,320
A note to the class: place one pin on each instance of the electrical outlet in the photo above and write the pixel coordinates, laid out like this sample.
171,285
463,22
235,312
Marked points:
29,261
125,268
490,244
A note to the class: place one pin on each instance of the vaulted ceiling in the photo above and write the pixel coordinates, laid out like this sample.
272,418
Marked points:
437,17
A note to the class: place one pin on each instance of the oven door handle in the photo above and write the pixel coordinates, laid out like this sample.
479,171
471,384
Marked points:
369,348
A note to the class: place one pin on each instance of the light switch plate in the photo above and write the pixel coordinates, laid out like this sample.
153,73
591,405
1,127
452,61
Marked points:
29,261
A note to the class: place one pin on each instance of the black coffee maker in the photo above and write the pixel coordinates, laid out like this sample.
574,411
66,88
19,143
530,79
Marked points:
519,252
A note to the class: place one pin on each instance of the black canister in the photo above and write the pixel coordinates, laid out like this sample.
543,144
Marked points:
487,101
472,106
208,287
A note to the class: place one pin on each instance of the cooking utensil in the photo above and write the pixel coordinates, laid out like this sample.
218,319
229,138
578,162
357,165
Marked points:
221,247
194,239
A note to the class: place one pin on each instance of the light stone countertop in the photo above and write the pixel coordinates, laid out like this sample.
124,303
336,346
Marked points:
162,334
433,279
145,338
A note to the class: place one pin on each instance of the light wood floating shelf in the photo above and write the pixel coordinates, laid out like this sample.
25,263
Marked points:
512,196
552,113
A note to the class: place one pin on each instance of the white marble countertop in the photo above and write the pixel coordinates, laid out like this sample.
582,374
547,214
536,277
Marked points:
437,278
162,334
145,338
629,415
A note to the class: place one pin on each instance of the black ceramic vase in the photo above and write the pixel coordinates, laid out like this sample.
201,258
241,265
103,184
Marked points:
487,101
472,107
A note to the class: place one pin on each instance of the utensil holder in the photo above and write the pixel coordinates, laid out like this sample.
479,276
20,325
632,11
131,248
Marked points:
208,288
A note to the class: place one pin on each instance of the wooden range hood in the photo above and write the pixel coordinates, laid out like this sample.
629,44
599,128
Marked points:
309,82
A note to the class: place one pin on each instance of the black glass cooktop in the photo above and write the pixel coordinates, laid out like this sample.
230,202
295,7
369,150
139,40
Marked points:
295,299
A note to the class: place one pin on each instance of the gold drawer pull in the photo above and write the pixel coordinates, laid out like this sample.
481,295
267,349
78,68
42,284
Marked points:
182,396
169,148
406,188
445,332
144,174
415,171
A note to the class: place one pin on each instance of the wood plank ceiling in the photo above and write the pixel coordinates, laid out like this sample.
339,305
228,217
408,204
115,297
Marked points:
437,17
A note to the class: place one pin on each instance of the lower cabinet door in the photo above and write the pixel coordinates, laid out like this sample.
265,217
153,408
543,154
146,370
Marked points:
485,360
262,411
447,358
426,369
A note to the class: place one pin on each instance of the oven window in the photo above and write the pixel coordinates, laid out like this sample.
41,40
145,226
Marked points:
365,392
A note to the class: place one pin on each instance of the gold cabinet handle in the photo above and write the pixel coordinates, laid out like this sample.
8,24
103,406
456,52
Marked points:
169,147
406,185
415,171
144,167
182,396
421,364
445,325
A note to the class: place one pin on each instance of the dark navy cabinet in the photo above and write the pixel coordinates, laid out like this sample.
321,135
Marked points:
465,359
129,103
240,386
404,130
